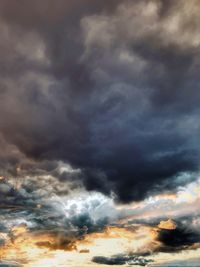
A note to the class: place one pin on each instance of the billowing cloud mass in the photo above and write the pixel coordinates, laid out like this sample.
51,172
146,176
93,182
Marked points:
99,130
111,89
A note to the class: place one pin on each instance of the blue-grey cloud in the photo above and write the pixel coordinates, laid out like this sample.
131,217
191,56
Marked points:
122,259
94,88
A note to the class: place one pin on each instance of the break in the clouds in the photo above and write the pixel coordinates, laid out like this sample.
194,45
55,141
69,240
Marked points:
99,132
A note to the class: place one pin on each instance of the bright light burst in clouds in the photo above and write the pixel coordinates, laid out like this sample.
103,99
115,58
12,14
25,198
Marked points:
99,133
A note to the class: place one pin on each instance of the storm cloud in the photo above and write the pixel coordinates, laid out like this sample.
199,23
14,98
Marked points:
110,87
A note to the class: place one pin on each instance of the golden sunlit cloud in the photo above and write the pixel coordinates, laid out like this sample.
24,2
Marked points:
168,225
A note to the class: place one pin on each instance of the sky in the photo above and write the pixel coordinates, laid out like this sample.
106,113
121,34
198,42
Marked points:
99,133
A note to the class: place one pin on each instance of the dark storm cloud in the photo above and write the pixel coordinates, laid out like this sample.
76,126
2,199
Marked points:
122,259
177,239
184,236
111,87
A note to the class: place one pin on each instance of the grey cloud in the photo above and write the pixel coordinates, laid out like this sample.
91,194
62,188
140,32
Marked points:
122,259
179,263
9,264
183,237
110,88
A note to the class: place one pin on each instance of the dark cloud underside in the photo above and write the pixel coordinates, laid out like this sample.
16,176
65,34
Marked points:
111,87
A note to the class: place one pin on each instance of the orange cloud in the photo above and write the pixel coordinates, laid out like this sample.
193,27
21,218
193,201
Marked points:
168,225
